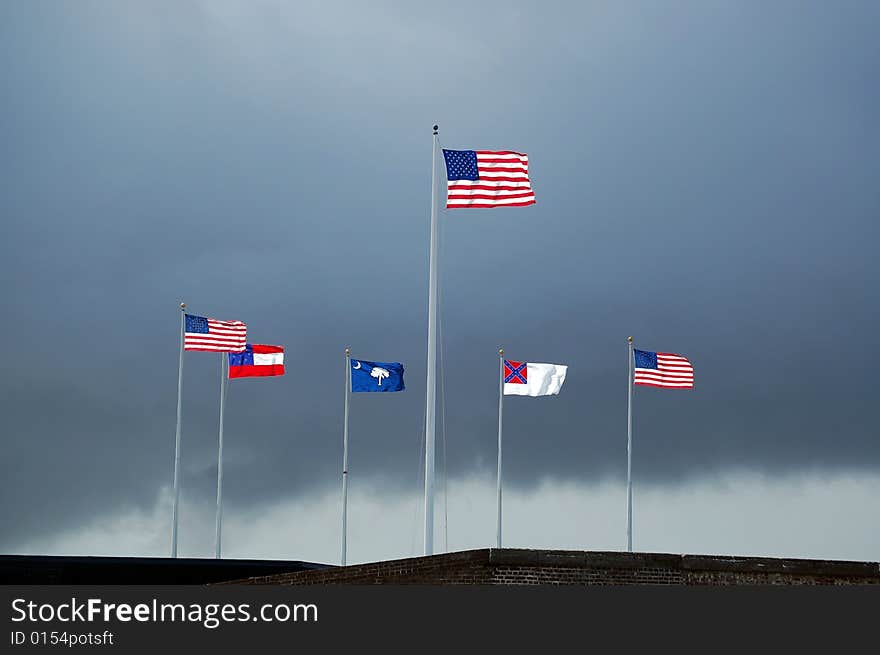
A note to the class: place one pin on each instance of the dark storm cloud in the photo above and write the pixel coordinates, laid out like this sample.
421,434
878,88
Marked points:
705,181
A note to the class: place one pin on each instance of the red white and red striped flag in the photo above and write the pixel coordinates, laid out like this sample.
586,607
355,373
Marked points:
257,360
209,334
487,178
662,370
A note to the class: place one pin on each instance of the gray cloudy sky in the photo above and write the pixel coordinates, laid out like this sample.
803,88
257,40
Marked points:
706,181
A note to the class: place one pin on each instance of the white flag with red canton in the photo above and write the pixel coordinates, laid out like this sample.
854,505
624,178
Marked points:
531,379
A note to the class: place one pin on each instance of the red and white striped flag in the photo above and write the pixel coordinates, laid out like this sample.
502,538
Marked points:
209,334
662,370
487,178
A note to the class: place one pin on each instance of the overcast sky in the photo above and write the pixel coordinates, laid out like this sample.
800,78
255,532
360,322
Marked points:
706,181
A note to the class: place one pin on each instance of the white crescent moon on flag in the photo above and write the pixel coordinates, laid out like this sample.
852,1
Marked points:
358,366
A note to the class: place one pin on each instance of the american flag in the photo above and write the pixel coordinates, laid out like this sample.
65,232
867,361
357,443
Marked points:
487,178
663,370
211,335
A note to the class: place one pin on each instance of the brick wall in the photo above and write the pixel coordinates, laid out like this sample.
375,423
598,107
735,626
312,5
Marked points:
508,566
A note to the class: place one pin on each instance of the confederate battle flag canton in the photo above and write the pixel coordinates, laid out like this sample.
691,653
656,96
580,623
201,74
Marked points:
515,372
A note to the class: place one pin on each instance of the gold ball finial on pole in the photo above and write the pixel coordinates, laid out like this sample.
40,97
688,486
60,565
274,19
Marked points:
501,351
629,339
182,305
348,351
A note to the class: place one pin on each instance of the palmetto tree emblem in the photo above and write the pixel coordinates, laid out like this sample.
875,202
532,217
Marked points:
379,373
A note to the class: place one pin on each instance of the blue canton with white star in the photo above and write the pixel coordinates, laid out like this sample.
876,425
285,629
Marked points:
645,359
198,324
461,165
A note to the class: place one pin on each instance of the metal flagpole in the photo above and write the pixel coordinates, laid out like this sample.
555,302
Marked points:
224,365
345,453
432,360
500,415
174,512
629,440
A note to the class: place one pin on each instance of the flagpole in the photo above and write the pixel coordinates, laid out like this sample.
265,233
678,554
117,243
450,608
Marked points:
345,454
174,512
500,416
224,362
431,398
629,431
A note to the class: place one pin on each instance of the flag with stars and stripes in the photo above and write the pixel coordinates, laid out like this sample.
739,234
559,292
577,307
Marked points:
487,178
209,334
662,370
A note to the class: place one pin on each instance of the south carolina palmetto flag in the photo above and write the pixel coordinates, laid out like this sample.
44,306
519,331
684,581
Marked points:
531,379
